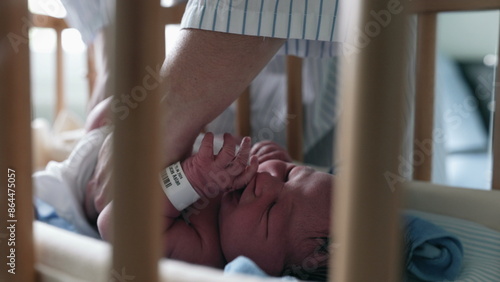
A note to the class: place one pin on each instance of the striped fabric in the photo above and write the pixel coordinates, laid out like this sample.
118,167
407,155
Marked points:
311,26
481,246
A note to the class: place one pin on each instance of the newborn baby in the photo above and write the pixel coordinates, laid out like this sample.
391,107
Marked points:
263,207
253,202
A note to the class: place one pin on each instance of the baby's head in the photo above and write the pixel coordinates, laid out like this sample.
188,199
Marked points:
280,220
96,198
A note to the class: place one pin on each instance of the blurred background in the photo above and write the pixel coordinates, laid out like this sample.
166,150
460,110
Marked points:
467,54
43,44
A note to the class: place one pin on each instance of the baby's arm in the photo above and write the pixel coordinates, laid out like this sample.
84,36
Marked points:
210,175
269,150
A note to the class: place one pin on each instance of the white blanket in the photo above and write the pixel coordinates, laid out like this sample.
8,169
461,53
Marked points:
63,184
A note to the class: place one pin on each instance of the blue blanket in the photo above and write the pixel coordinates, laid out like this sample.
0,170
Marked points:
431,253
46,213
245,265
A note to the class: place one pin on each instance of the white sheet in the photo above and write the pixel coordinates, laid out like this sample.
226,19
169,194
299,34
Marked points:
62,185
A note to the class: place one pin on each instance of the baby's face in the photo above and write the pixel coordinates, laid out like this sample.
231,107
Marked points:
274,218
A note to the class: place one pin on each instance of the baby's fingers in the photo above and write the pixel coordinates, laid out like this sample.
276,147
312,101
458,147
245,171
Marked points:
243,179
226,153
240,161
244,151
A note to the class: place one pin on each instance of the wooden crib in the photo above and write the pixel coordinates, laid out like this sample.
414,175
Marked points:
369,93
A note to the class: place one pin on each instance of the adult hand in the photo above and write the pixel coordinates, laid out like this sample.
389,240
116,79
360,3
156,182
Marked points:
226,171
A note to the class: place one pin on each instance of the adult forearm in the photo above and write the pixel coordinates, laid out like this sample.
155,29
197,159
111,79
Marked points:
203,75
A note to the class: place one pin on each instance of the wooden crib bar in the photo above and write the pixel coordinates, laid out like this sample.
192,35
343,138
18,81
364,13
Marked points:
294,126
424,92
367,198
15,145
137,193
243,124
172,15
495,183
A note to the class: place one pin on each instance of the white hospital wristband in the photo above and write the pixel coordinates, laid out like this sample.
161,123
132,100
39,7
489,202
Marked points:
177,187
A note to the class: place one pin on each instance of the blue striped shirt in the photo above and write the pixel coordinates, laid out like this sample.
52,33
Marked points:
311,27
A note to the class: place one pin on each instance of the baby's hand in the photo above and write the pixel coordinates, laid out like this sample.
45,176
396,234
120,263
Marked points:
269,150
225,171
